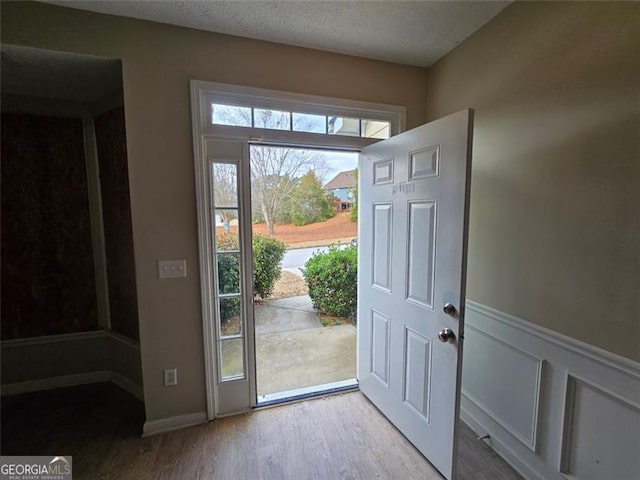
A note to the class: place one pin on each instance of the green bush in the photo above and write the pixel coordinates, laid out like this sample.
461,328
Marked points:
229,281
332,280
267,255
228,275
227,241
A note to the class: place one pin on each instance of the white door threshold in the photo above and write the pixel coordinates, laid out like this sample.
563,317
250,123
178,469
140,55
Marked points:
306,392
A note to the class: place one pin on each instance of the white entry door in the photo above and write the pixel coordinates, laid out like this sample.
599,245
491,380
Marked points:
414,203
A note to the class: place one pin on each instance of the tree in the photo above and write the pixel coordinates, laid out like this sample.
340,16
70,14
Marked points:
225,189
274,177
353,214
310,203
274,170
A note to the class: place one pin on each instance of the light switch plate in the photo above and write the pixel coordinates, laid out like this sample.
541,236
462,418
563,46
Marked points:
172,268
170,377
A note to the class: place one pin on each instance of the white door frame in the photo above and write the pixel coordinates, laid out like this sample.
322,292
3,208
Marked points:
203,94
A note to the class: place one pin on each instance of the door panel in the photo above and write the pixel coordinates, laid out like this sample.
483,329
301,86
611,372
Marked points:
421,253
414,197
417,384
382,224
380,347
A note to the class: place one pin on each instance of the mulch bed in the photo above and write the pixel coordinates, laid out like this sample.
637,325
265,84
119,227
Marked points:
289,285
338,229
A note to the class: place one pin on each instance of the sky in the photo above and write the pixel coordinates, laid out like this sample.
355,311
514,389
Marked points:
338,162
333,161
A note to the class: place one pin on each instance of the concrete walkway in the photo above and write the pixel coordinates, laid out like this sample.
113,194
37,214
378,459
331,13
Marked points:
297,257
294,350
294,270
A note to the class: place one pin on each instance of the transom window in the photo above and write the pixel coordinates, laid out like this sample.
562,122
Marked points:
241,116
287,118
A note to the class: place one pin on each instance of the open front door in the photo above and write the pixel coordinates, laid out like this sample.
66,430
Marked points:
414,203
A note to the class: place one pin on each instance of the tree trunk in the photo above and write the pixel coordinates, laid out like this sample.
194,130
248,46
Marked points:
268,219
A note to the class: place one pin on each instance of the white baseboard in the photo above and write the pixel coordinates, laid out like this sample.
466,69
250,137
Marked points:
173,423
55,382
127,385
72,381
134,344
49,339
531,389
62,356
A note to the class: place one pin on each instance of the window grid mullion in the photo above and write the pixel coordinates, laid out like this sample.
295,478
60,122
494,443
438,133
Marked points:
327,121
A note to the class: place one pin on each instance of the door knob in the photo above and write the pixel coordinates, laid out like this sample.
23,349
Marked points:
449,309
446,335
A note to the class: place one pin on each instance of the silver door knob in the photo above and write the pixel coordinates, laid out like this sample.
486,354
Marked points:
446,335
449,309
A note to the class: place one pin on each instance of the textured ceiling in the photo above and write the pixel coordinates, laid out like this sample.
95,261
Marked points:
58,75
408,32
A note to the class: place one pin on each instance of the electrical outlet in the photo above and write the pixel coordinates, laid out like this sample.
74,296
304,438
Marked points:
172,268
170,377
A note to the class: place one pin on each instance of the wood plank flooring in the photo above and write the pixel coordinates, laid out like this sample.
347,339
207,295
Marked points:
337,437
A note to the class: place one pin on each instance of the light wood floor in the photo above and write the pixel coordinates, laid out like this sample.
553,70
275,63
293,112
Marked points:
338,437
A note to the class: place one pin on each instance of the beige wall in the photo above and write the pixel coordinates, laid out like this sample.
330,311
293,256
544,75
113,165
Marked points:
554,225
158,61
555,220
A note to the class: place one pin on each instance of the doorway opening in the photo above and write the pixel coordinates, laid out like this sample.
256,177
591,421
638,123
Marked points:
229,122
304,230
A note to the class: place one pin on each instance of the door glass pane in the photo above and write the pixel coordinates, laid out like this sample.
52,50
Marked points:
225,184
230,115
227,258
228,273
274,119
375,129
344,126
230,318
226,222
304,122
231,358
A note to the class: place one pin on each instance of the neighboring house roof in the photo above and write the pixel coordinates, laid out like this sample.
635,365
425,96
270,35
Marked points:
342,180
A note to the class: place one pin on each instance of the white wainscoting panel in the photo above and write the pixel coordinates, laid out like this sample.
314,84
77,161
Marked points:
554,407
601,433
509,391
